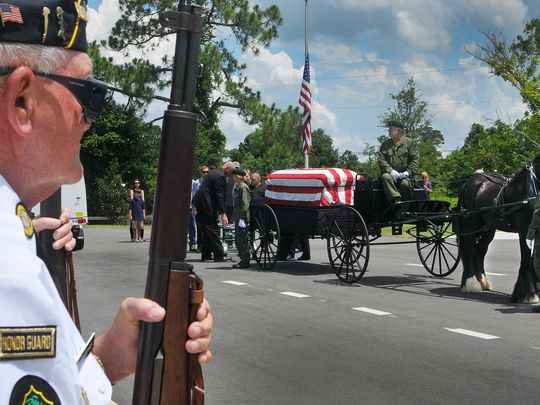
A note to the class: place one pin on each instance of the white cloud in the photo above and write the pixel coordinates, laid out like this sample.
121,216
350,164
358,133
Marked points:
324,118
362,50
494,15
425,75
423,34
234,128
102,20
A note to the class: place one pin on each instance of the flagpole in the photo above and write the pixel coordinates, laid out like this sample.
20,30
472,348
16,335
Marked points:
306,51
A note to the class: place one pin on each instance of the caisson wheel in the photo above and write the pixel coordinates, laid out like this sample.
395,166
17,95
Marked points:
264,236
438,247
348,245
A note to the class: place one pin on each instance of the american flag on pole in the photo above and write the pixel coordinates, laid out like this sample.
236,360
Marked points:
10,13
305,102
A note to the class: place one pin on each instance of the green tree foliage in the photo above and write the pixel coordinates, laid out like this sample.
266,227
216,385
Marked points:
517,63
276,143
496,149
503,148
349,160
371,154
323,153
222,84
413,112
119,135
111,197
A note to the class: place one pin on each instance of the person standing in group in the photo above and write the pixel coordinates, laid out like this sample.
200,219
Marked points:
194,236
242,199
136,187
533,242
48,99
229,203
426,184
256,189
210,203
137,213
398,162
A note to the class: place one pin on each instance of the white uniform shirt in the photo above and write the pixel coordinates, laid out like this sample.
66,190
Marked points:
29,299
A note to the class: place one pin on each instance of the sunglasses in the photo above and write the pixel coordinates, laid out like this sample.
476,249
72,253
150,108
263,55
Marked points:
90,93
204,171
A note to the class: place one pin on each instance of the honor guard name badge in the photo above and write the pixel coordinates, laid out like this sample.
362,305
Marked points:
23,215
19,343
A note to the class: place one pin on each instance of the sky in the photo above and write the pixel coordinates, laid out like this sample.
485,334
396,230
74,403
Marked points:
361,51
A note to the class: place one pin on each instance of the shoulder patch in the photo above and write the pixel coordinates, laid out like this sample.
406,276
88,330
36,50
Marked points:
33,390
22,213
29,342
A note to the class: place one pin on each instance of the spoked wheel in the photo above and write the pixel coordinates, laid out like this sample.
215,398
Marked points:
265,237
438,247
348,245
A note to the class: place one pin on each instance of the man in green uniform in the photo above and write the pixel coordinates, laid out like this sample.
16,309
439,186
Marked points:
533,241
398,162
242,199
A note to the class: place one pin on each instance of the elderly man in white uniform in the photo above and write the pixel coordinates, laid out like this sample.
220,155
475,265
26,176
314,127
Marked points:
46,104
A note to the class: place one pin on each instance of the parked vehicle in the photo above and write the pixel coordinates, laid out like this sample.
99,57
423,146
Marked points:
74,199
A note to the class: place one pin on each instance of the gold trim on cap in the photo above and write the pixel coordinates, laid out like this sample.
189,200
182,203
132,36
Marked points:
81,15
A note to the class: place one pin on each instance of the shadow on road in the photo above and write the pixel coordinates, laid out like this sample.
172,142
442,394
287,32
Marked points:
443,288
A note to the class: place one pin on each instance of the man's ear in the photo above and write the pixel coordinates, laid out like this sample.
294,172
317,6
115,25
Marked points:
19,100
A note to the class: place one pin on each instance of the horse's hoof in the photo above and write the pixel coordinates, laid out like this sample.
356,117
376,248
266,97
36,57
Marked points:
485,283
472,286
531,299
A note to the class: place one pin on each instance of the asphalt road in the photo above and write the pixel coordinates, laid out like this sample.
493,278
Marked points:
296,335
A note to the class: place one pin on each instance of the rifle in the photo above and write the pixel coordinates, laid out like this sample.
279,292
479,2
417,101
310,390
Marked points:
58,262
174,377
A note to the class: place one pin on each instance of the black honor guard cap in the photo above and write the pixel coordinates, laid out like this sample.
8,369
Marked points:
47,22
239,171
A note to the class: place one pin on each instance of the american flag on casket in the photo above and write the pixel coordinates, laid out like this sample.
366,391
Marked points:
310,187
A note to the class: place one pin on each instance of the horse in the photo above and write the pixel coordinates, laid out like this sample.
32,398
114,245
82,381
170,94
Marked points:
490,201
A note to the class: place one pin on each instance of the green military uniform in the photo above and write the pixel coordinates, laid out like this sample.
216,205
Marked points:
401,157
242,199
533,233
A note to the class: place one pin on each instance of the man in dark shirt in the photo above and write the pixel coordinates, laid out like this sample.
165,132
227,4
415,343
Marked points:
137,213
257,189
210,202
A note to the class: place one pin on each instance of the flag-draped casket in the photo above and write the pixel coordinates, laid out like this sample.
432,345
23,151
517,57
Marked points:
310,187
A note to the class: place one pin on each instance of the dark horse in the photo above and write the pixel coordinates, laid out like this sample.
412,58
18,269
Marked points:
485,194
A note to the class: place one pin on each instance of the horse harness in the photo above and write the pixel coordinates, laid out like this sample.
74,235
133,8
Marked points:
503,210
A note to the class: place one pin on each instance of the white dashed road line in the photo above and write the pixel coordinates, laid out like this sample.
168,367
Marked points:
372,311
414,264
472,333
495,274
296,295
233,282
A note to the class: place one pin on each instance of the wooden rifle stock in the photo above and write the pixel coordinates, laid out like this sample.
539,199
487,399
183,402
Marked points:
59,262
166,374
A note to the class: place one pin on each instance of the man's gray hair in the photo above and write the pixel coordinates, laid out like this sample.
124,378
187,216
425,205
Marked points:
231,165
46,59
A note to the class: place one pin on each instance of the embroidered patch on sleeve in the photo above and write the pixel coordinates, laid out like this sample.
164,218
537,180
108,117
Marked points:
22,213
33,390
33,342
